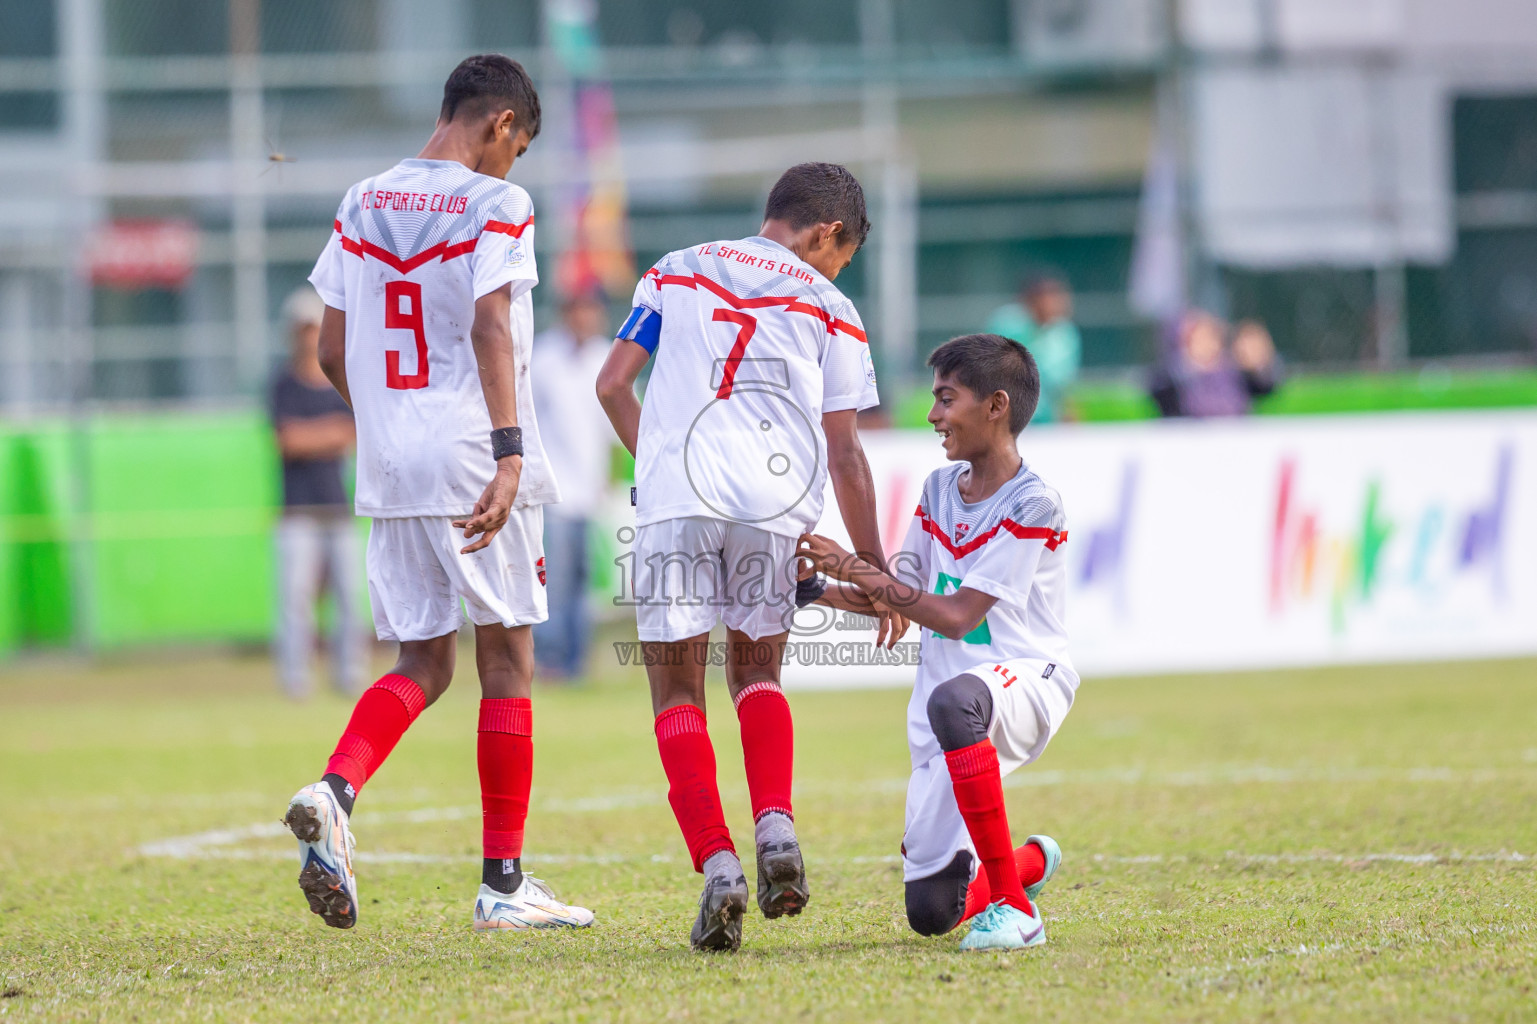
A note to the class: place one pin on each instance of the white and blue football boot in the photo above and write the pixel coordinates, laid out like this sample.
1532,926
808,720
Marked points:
1001,926
1053,854
325,854
533,905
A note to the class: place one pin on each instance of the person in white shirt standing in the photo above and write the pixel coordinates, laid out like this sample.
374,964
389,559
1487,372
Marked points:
762,366
427,334
577,439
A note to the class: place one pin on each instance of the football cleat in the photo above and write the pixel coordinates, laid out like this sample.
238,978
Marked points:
782,889
719,924
1001,926
325,854
1053,854
533,905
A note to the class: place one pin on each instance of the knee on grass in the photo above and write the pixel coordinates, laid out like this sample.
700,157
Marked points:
936,904
960,710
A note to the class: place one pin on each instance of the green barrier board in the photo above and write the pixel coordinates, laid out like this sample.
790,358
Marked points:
181,525
10,571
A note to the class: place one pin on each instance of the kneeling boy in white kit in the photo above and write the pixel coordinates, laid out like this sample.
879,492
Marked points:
984,574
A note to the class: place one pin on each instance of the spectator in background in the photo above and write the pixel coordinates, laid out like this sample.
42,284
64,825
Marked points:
1041,319
1200,376
317,541
577,437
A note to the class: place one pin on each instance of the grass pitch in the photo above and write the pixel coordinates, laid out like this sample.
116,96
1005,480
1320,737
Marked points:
1349,844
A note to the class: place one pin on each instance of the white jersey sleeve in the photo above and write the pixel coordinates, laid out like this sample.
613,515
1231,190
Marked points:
1006,567
648,292
330,274
505,252
848,373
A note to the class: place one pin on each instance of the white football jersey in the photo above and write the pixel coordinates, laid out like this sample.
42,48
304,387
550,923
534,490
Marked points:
412,250
1008,546
753,347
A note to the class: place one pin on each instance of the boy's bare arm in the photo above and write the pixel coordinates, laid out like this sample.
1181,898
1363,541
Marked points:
852,484
491,334
847,599
333,351
616,389
949,615
890,625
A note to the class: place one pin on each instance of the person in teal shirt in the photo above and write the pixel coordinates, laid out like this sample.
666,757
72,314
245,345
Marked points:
1042,320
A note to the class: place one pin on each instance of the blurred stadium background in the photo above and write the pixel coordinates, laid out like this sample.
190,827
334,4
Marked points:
1360,177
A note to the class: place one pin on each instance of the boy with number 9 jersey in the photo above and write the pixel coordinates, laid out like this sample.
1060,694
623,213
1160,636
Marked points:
427,334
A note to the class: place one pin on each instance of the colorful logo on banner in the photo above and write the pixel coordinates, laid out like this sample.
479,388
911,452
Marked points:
1105,553
1351,568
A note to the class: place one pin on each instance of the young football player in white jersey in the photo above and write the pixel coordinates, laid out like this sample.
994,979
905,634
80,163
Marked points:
761,368
427,335
982,571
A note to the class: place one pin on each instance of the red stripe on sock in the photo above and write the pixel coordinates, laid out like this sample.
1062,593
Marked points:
409,693
680,721
504,753
768,747
688,758
979,796
511,715
380,717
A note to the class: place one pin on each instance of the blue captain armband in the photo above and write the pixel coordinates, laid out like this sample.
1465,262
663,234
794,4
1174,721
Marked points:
644,327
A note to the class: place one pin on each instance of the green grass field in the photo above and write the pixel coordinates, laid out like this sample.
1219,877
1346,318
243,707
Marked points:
1340,845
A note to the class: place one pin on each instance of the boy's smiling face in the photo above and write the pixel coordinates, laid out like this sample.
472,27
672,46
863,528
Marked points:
961,418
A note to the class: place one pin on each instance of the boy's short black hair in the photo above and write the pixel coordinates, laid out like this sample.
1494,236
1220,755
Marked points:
984,363
490,81
819,193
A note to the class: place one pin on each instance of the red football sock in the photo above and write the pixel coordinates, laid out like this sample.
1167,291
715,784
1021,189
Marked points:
504,750
689,760
768,747
1029,860
979,795
382,715
978,895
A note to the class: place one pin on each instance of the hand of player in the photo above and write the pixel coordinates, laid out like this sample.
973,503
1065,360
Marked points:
490,513
893,626
825,556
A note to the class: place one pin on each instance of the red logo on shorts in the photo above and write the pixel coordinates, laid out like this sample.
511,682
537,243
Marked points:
540,566
1009,677
961,530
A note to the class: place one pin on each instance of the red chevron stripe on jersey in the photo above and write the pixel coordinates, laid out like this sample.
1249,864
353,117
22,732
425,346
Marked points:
1052,538
362,247
791,303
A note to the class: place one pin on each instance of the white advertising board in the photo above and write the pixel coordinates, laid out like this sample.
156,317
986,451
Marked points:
1265,542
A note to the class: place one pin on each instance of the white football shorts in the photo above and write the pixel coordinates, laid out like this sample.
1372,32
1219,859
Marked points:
693,572
417,577
1028,709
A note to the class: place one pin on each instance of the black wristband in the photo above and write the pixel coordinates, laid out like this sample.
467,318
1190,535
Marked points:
506,441
809,589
